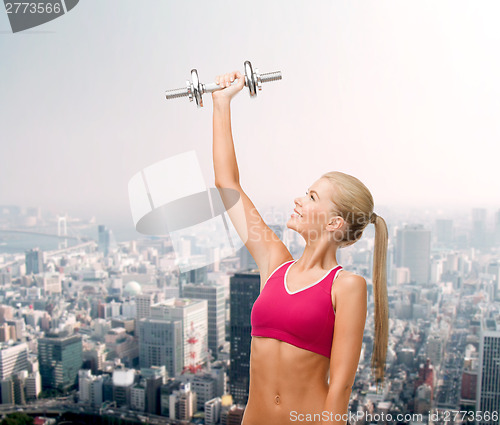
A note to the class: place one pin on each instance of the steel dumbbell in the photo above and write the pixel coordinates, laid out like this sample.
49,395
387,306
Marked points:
195,89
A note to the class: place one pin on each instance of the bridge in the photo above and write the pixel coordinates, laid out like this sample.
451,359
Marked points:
21,258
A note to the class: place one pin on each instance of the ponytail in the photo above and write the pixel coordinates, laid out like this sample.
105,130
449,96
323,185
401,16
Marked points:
380,298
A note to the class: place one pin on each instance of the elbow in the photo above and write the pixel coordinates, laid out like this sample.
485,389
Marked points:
340,387
226,183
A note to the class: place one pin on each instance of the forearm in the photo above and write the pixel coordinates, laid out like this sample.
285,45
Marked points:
224,157
336,405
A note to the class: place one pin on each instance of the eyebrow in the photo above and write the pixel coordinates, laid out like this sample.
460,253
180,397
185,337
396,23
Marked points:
314,192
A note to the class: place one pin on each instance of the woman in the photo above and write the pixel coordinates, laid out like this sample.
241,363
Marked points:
307,332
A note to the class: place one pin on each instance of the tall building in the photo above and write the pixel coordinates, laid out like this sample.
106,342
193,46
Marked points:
138,396
444,232
60,357
413,250
160,343
143,304
153,401
5,277
6,313
214,294
182,403
212,411
204,385
34,261
497,228
479,234
90,388
193,315
494,270
488,384
244,290
51,283
33,385
123,381
198,275
13,359
106,240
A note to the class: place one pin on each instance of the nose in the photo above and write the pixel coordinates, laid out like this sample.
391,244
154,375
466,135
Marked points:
296,200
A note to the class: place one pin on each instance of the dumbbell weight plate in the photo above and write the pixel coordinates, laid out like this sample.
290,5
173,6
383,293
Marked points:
196,88
250,79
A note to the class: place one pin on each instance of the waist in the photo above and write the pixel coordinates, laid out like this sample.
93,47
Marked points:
284,381
281,366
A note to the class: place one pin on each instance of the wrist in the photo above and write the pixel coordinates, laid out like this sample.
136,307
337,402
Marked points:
221,101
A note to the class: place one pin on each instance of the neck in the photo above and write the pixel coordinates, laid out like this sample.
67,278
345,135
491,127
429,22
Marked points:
321,254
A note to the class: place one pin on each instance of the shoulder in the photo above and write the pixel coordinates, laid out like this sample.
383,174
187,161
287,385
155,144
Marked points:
348,280
348,284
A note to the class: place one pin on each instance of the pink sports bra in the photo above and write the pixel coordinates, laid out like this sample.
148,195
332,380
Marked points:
304,318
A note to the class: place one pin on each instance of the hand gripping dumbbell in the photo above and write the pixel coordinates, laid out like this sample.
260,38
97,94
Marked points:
195,89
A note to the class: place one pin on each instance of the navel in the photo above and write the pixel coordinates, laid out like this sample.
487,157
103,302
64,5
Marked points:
277,399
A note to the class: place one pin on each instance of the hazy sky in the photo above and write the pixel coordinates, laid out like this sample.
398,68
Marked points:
403,95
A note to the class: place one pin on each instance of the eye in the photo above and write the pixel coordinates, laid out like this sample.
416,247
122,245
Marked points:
310,196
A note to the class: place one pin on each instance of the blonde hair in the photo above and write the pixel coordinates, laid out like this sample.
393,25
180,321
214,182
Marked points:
354,203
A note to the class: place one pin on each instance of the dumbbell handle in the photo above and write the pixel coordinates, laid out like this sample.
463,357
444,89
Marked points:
211,87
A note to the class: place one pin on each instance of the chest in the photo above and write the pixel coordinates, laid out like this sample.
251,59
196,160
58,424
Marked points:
296,282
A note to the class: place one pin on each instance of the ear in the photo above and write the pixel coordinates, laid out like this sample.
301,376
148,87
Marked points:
335,223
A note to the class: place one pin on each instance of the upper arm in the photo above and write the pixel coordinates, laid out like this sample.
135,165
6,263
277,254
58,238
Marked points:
264,245
350,317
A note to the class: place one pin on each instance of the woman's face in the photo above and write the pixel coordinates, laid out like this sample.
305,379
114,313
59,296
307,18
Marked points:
315,210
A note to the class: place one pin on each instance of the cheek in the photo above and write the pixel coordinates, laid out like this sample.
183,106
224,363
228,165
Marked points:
316,214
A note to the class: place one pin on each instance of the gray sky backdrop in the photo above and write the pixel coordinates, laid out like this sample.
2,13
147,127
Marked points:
403,95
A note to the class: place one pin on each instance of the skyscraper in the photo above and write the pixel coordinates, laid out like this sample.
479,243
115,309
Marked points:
497,228
13,359
34,261
488,384
479,236
60,357
244,290
160,344
193,315
143,304
106,240
444,231
216,312
413,250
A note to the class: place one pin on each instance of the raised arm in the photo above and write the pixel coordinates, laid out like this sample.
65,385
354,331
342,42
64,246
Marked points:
265,247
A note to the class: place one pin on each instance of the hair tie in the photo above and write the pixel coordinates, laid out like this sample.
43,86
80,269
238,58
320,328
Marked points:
373,218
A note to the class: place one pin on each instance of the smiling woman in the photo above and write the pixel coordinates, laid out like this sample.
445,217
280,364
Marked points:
308,321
